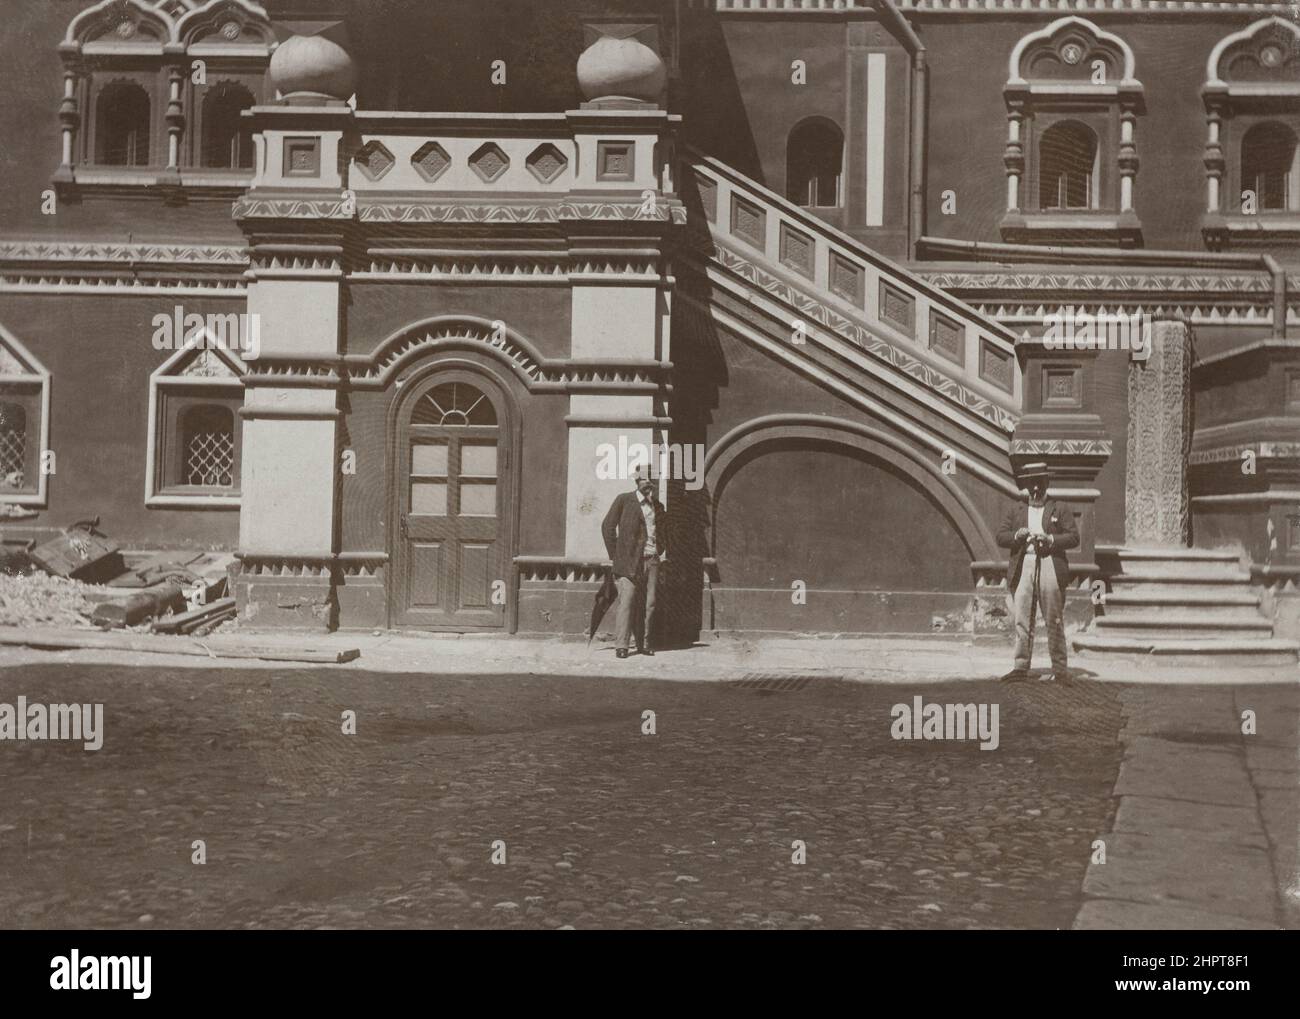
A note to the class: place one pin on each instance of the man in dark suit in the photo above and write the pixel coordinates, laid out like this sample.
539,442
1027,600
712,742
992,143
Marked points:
1038,533
634,538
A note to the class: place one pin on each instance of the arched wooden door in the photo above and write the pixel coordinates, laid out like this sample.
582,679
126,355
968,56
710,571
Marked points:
453,501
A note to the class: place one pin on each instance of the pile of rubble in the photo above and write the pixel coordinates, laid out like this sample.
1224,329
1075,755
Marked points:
82,579
39,599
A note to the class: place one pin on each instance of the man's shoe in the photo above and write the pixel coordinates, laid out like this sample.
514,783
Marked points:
1016,676
620,652
647,650
1062,676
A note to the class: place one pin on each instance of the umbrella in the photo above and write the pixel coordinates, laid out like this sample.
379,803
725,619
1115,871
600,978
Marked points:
605,597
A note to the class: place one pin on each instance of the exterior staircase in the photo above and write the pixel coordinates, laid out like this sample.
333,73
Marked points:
884,339
1184,606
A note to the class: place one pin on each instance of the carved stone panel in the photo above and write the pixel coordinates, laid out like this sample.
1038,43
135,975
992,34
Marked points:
1159,440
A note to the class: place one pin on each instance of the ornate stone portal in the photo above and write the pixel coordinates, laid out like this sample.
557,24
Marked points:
1159,440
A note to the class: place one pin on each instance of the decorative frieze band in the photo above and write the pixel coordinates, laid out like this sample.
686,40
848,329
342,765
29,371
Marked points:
341,564
375,370
514,269
1135,283
997,7
1261,450
1061,447
661,211
558,568
235,255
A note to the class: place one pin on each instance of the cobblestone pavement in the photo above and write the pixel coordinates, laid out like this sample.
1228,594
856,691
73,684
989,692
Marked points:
603,826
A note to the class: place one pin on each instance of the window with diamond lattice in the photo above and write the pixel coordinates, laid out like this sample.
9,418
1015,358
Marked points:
13,446
208,443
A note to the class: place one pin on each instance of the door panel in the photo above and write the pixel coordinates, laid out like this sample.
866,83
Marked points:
475,582
425,579
451,507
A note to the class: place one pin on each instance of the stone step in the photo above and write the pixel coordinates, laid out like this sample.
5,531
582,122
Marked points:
1182,571
1178,578
1157,604
1220,555
1234,652
1170,594
1186,625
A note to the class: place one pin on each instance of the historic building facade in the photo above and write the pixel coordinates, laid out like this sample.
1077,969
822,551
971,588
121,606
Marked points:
864,257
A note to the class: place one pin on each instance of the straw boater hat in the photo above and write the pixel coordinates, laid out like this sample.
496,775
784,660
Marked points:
1034,472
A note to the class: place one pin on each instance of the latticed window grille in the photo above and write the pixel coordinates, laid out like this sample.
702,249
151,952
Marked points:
209,438
13,445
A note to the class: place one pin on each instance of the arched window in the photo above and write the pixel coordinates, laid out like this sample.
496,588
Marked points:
208,446
1269,166
1067,167
227,137
122,126
813,163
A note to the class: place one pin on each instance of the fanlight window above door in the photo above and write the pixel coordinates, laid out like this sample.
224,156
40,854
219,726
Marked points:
454,404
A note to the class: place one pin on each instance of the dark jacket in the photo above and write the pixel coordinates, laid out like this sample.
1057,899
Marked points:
625,533
1058,521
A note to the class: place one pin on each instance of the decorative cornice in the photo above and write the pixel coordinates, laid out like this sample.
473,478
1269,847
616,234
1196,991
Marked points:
542,211
1061,447
1000,8
1012,7
859,336
1091,282
43,281
536,568
522,268
131,254
249,207
1262,451
341,564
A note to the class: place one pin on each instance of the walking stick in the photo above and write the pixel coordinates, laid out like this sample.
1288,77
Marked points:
1033,604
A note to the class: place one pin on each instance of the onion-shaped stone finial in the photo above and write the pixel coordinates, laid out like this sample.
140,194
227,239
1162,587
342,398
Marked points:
313,65
618,65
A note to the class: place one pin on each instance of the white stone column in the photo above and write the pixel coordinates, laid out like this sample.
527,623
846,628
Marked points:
609,322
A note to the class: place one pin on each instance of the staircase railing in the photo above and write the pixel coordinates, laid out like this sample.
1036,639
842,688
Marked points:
904,310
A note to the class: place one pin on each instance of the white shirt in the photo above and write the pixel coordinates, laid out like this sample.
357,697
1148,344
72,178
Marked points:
1035,527
648,511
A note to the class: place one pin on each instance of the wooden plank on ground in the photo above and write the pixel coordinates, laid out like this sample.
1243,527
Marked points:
36,637
178,622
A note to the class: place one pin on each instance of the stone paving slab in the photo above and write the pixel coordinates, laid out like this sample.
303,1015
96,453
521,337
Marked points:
1280,811
1192,872
1199,774
877,659
1109,915
1143,815
1265,758
1272,778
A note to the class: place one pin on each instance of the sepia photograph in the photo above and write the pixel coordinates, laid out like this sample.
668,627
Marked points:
650,465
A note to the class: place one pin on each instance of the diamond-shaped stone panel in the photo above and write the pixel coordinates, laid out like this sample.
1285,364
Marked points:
374,160
546,162
431,161
489,162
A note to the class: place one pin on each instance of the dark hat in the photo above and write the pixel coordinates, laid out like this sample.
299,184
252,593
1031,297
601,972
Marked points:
1034,472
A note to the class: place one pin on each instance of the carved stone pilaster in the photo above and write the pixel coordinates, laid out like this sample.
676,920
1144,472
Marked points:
1159,440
